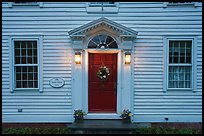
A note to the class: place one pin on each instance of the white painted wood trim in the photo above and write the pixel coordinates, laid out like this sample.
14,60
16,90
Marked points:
40,62
11,69
193,61
165,51
126,84
86,81
132,84
11,4
119,82
102,116
194,58
77,90
97,9
85,88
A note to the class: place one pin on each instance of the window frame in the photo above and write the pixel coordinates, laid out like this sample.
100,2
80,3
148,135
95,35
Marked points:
96,8
167,64
107,35
168,4
13,65
99,5
40,4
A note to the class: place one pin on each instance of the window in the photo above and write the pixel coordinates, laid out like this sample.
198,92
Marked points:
175,4
102,41
179,2
26,64
102,3
102,7
25,4
180,64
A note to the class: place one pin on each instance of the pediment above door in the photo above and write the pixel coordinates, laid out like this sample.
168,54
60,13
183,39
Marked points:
102,24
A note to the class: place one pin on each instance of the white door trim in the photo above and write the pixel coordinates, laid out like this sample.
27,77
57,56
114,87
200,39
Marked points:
124,87
85,86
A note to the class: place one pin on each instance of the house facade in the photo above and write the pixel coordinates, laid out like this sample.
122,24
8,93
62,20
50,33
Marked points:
101,58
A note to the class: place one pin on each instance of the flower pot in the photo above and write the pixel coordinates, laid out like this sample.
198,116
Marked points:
79,120
127,120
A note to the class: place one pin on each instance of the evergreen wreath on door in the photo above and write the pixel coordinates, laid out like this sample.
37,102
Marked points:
103,73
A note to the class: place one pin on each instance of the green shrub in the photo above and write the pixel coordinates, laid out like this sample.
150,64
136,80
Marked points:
35,131
161,130
156,130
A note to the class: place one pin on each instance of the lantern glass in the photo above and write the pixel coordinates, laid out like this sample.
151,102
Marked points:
127,58
78,58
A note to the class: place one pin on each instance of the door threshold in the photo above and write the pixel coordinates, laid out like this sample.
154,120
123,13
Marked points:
102,116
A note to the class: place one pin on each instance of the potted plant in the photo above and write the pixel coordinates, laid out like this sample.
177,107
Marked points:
79,115
126,116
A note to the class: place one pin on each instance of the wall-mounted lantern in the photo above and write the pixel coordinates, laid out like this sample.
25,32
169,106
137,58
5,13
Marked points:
127,57
78,57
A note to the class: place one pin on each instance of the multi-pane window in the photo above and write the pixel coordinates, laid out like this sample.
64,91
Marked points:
25,2
180,64
100,3
179,2
102,41
26,64
102,7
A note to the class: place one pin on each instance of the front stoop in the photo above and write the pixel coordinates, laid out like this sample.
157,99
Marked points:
104,127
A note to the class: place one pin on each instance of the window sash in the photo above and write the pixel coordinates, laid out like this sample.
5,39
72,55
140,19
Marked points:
179,77
181,81
26,78
180,52
25,52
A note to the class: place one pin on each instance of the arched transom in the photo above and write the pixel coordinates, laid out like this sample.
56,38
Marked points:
102,41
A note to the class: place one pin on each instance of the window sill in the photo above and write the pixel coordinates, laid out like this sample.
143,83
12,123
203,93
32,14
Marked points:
26,89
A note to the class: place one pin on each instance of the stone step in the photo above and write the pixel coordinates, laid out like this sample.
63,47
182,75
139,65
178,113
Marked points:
103,127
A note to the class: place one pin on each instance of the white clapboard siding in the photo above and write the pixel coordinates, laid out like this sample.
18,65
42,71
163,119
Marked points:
53,21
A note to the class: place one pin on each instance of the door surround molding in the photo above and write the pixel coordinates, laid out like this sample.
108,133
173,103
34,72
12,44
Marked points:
125,38
118,97
124,86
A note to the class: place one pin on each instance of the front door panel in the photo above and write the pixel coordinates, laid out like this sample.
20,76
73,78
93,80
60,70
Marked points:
102,94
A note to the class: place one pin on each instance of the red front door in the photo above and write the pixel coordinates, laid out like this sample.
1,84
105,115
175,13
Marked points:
102,94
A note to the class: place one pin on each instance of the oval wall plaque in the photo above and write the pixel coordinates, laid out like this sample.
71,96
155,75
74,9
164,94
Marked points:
57,82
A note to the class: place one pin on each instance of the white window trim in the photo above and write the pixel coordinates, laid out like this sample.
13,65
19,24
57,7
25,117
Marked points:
99,5
97,9
193,62
12,62
40,4
166,4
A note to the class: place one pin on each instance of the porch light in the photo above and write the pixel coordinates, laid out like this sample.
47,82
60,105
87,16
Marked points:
78,57
127,57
